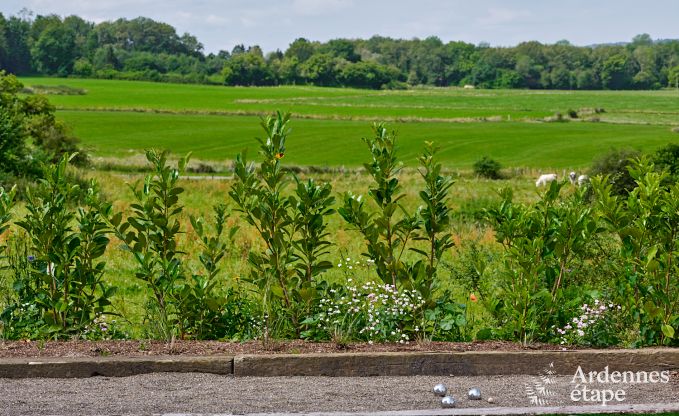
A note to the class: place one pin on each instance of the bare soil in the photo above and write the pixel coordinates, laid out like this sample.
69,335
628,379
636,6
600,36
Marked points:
19,349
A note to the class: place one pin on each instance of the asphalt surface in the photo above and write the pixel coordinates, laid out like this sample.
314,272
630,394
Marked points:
198,393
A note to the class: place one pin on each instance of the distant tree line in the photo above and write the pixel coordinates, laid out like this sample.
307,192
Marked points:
143,49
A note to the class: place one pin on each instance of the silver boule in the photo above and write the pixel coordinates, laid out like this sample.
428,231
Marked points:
440,390
474,394
448,402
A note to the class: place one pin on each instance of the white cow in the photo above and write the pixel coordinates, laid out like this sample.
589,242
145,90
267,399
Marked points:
543,180
578,180
573,177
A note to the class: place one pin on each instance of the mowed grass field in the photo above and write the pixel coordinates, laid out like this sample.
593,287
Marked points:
121,118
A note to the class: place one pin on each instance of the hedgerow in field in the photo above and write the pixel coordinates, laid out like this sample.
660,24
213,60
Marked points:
30,133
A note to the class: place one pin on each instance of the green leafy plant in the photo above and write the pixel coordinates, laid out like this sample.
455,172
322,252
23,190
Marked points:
614,165
204,308
312,203
487,168
292,228
647,225
543,243
434,222
65,289
445,320
388,230
667,157
150,233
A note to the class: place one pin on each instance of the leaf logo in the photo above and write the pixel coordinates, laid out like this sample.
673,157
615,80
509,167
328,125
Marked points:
537,389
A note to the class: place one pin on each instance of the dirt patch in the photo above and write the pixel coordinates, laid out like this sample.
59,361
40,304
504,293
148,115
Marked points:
18,349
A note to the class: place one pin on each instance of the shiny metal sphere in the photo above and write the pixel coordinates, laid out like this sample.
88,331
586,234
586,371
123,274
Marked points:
474,394
448,402
440,390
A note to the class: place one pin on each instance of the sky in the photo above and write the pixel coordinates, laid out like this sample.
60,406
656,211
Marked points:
274,24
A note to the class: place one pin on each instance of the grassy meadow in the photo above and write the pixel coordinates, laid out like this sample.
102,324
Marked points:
121,118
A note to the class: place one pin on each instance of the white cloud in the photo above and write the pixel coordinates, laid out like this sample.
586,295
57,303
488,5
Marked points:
247,22
319,7
498,16
213,19
184,15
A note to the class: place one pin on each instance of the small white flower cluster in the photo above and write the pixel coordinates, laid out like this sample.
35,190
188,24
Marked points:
575,331
348,264
374,311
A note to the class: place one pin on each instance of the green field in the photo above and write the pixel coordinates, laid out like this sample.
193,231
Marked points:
121,118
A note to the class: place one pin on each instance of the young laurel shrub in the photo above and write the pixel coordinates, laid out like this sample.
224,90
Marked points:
545,245
206,310
293,229
19,318
390,230
151,233
65,291
487,168
182,304
433,223
647,224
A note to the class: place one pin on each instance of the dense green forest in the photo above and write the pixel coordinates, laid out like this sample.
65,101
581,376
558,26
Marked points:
143,49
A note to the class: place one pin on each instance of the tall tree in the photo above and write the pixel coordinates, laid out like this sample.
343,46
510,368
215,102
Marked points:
17,36
301,49
55,50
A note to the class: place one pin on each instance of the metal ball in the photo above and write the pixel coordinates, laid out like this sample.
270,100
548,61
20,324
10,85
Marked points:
440,390
448,402
474,394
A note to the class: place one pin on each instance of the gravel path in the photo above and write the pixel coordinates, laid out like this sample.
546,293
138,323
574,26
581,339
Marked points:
207,393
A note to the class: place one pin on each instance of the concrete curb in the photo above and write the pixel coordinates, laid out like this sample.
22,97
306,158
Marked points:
351,364
457,364
112,366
